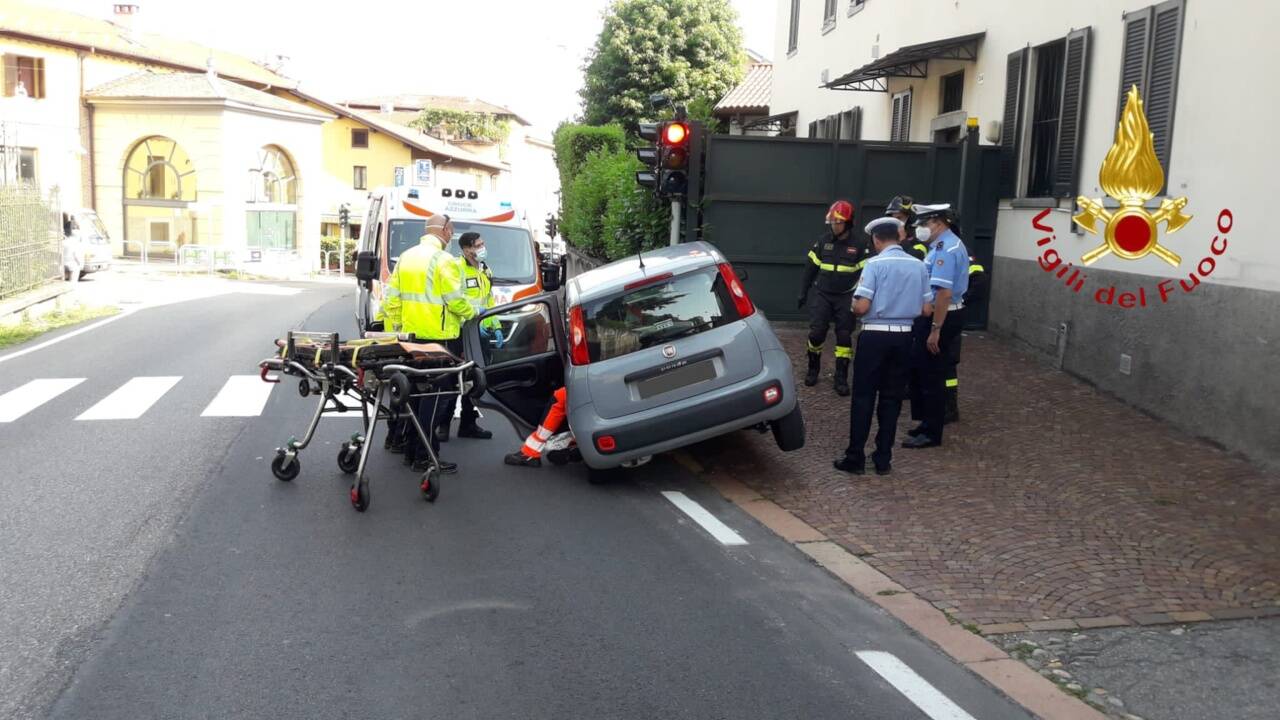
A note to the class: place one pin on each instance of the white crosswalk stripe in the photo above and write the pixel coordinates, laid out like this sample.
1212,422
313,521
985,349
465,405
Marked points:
131,400
22,400
915,688
241,396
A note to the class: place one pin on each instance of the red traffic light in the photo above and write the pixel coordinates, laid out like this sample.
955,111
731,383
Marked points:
675,133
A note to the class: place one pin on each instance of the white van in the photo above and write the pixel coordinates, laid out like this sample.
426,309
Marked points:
84,234
396,221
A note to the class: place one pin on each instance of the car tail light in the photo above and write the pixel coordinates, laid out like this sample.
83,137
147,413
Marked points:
772,395
578,354
606,443
739,294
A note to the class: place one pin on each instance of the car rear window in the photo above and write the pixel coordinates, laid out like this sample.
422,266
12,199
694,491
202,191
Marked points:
678,306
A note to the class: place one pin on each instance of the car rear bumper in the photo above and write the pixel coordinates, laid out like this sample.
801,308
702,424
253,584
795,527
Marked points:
690,421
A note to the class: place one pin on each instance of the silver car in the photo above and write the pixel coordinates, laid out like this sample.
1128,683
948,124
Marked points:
656,352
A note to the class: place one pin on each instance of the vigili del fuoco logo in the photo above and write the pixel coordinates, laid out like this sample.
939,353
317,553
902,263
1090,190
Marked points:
1131,175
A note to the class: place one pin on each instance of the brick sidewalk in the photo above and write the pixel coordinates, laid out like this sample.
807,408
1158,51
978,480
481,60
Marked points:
1050,501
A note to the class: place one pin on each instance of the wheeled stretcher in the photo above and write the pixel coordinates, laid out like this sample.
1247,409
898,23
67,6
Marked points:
379,376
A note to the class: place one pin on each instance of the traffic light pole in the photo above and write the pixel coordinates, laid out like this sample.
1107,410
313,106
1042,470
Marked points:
675,222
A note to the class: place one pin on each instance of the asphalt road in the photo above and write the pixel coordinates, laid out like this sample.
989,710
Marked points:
158,570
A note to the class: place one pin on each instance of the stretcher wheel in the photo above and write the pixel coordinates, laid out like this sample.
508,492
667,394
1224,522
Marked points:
283,472
398,390
349,458
360,495
304,387
430,485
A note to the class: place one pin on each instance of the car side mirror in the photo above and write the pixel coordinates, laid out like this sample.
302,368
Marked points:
366,266
550,277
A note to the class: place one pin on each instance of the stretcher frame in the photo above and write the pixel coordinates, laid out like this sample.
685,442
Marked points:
386,387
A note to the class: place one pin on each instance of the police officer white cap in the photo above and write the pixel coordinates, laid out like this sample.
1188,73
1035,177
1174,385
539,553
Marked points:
925,212
871,226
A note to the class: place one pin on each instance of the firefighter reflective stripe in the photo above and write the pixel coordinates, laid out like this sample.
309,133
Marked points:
921,248
847,268
975,268
814,257
952,382
844,352
815,348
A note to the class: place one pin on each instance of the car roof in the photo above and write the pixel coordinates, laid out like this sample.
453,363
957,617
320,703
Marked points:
609,279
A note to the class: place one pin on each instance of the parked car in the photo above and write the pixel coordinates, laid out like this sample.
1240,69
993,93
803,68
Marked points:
657,352
86,237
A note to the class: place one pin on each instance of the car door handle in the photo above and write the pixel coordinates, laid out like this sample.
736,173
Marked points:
527,377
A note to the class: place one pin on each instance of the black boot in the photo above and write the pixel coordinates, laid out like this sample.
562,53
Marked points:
842,377
953,406
815,364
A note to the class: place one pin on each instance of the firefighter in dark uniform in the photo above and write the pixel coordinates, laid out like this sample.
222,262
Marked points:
978,282
834,264
915,240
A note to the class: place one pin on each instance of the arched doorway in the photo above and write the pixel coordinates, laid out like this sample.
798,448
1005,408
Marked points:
272,210
159,195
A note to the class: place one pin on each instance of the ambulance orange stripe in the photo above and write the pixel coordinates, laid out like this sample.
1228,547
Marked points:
417,210
500,218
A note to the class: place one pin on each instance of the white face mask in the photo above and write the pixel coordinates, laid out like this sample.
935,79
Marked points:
922,233
482,253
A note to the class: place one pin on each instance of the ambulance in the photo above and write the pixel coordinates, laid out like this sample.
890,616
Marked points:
396,220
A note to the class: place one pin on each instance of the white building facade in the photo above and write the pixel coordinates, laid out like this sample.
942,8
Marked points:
1195,341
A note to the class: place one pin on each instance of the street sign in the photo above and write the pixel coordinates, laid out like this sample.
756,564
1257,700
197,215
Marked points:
399,176
423,173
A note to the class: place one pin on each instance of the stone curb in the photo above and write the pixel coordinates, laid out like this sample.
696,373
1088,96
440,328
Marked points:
1020,683
1170,618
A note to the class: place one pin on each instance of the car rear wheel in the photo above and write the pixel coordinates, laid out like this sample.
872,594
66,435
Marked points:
788,430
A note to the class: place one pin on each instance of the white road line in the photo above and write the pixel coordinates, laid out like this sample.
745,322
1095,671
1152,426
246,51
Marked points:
241,396
131,399
915,688
67,336
22,400
709,522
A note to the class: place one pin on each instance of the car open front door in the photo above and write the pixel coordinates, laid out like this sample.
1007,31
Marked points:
527,365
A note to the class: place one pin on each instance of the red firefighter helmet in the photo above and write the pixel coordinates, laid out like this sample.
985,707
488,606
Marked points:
840,211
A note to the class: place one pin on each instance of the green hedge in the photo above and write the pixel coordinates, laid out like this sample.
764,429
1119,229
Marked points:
603,211
574,143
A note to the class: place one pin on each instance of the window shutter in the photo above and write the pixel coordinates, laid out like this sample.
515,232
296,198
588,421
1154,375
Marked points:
10,64
1011,125
905,128
856,132
1160,93
1074,76
813,129
1133,60
897,118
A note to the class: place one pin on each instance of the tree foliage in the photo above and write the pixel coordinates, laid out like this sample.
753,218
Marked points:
463,124
690,50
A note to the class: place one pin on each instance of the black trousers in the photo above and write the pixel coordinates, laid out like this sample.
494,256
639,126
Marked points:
879,383
828,308
929,371
434,411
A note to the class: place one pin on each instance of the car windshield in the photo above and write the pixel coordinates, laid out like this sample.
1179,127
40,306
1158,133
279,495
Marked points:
511,256
676,307
96,222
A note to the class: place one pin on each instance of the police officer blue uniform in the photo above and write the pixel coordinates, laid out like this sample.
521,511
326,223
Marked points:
893,291
948,266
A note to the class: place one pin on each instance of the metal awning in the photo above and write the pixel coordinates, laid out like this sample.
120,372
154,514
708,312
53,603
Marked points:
911,61
774,123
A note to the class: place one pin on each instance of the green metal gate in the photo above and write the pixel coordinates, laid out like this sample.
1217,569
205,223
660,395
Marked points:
762,200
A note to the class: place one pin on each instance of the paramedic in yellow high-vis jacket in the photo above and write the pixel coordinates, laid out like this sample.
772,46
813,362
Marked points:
424,296
477,286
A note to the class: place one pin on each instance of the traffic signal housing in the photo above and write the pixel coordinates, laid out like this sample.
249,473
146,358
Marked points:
673,156
649,157
666,164
344,215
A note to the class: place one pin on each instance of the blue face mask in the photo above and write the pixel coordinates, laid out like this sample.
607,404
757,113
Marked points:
482,253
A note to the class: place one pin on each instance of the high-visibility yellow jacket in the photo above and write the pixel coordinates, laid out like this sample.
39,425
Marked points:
477,283
424,295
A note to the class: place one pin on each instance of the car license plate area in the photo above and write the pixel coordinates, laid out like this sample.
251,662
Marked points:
676,378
